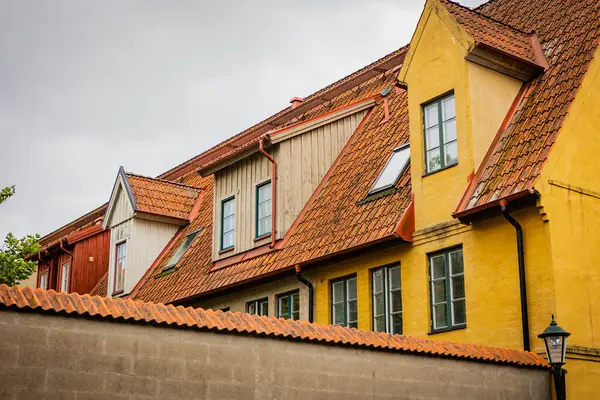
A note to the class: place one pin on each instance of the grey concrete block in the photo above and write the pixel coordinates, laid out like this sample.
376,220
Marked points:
129,385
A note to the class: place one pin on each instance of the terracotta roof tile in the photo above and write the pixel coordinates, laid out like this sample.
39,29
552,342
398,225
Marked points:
75,305
569,34
161,197
101,288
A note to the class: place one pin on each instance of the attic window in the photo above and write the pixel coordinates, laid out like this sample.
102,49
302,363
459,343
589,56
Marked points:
189,239
393,169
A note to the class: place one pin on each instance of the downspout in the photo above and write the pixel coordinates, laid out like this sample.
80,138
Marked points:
70,264
273,190
522,283
311,291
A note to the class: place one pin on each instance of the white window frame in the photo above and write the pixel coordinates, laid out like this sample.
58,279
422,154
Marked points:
222,223
64,276
255,307
387,291
268,216
346,300
44,280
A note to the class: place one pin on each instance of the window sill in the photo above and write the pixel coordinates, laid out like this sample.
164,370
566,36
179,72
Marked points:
262,237
120,292
442,330
227,250
440,170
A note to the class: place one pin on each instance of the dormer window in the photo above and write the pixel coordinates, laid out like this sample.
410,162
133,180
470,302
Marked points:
183,247
393,169
441,150
228,224
263,209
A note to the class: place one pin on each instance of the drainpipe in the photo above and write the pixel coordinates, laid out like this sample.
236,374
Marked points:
311,291
522,283
273,190
70,264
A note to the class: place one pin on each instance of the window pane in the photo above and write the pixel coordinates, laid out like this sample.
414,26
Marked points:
284,307
459,314
431,115
395,165
397,324
456,262
252,308
440,316
379,323
378,281
353,324
296,315
438,267
338,314
396,301
351,289
433,160
352,312
264,308
448,108
394,276
450,130
458,287
379,304
338,292
451,151
432,138
295,302
439,292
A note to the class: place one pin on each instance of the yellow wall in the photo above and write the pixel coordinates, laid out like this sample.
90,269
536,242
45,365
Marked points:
491,281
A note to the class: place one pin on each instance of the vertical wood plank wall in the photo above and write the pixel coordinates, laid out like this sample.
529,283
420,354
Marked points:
302,162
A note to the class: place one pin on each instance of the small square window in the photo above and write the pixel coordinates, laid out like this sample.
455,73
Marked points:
393,169
288,305
258,307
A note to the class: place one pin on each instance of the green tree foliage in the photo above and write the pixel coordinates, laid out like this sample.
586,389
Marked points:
14,265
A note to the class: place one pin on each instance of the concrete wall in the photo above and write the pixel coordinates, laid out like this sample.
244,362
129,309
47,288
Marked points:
237,300
55,357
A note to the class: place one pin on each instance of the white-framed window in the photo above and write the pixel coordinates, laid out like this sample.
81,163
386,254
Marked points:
288,305
387,299
258,307
228,223
120,267
44,281
393,169
263,209
343,302
64,277
447,279
183,247
441,148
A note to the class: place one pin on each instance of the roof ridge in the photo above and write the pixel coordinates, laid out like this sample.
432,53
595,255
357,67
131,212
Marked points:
164,181
74,304
310,97
73,221
472,10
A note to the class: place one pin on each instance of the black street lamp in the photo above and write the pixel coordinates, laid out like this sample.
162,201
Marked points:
555,340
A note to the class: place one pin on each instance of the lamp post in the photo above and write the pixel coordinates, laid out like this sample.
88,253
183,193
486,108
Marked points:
555,340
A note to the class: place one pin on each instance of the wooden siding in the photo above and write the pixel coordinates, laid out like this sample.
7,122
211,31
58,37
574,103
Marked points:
122,208
86,273
302,162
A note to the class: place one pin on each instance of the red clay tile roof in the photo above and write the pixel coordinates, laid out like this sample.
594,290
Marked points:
75,305
335,221
495,34
101,288
569,33
160,197
83,222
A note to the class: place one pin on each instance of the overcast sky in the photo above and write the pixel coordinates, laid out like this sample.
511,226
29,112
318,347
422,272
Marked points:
88,86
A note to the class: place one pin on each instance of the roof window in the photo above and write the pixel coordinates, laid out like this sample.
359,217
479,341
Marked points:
393,169
182,249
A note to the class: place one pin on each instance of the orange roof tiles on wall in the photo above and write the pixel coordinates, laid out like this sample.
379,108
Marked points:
118,310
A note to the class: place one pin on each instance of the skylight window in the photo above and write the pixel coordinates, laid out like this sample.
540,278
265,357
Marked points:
182,249
393,169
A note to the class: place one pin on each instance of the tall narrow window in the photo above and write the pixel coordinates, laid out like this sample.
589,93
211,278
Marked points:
64,277
263,209
446,271
343,302
387,300
393,169
441,149
258,307
288,305
44,281
228,224
183,247
120,267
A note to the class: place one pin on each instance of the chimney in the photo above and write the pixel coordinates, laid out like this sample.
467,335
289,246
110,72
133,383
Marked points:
296,101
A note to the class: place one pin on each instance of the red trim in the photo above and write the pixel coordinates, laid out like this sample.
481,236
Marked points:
468,193
538,51
196,209
406,225
245,256
84,234
475,210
